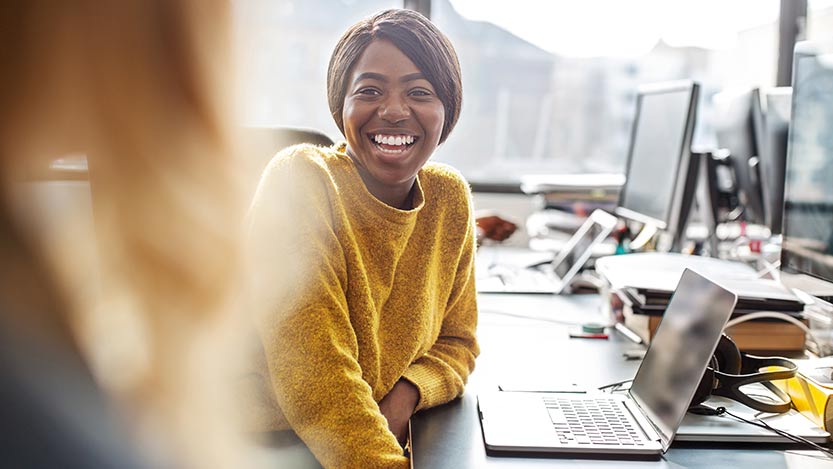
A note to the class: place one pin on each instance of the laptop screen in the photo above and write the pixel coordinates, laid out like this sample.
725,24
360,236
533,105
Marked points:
576,253
679,353
570,257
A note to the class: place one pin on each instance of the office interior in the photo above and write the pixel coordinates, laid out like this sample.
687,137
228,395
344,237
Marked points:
702,127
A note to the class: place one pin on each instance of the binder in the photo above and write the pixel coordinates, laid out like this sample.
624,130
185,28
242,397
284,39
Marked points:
756,335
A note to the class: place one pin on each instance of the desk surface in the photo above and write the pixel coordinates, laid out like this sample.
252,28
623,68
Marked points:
525,336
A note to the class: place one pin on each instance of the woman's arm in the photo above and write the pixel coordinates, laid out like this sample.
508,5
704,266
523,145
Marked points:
440,375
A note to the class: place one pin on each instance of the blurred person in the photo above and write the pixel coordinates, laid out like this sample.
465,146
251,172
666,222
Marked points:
112,347
367,301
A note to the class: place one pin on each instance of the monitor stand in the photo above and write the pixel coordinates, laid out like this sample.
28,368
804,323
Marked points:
645,235
707,198
687,195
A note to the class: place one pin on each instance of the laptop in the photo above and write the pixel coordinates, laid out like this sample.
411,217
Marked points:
638,425
725,429
551,277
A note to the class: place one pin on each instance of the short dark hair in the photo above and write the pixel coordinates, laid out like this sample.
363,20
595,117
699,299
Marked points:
419,39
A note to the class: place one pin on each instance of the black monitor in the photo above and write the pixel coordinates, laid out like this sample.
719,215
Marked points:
659,158
774,153
808,192
738,124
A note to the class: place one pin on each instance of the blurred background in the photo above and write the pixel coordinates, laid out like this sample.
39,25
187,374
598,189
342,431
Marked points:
549,86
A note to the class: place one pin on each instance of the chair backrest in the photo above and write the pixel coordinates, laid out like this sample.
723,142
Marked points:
263,143
282,137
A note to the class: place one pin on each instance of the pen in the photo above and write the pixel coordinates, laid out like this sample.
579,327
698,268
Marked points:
586,335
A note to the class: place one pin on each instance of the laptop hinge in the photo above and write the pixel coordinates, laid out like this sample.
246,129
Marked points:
652,432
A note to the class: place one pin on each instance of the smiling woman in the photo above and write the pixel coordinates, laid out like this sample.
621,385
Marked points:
364,290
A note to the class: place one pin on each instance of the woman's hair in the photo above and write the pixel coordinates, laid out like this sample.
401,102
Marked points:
141,87
419,39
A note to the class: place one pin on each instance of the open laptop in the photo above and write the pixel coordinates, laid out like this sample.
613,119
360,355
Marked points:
639,424
551,277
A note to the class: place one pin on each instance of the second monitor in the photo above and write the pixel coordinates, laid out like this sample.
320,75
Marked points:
659,187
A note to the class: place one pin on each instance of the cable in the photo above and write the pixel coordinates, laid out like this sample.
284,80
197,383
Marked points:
761,424
614,386
539,264
775,315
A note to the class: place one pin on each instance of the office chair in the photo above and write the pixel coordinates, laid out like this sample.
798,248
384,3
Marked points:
263,143
282,137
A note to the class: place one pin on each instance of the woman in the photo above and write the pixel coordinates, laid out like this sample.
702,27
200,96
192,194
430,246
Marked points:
367,306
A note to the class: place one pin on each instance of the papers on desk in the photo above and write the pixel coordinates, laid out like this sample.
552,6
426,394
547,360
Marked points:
649,278
644,282
540,183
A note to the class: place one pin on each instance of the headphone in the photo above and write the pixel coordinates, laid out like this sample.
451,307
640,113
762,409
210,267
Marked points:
730,369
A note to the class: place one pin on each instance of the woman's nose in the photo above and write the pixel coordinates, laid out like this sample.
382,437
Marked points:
394,110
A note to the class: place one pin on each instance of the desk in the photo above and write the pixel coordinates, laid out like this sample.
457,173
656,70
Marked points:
527,335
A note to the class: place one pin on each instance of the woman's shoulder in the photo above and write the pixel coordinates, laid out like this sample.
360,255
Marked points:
445,178
302,170
303,157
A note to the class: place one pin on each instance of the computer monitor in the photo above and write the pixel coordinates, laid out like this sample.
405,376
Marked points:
659,158
738,123
774,154
707,196
807,246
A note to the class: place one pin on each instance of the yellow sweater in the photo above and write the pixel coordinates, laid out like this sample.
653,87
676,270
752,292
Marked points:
353,295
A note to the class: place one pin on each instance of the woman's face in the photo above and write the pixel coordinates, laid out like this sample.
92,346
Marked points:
393,118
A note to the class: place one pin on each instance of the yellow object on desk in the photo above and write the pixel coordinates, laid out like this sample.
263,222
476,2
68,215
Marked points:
812,391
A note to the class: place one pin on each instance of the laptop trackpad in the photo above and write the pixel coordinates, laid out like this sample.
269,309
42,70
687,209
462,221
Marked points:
519,421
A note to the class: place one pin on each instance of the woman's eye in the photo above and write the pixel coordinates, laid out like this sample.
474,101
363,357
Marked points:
420,93
369,91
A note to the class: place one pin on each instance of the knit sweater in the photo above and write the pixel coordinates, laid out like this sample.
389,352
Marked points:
353,295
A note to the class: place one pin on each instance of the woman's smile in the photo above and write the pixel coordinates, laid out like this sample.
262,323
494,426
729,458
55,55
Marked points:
393,146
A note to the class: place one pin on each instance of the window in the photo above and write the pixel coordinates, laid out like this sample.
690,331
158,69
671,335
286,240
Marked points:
820,20
284,49
549,86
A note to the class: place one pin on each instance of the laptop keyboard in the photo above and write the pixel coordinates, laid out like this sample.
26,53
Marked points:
593,421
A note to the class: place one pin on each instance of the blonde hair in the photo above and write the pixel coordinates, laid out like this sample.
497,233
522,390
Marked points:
141,87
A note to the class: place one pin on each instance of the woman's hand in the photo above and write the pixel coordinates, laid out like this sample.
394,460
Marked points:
398,406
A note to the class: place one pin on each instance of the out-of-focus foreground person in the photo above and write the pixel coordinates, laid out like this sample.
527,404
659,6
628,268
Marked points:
111,347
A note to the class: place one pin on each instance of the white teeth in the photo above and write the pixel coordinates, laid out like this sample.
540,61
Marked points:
396,140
